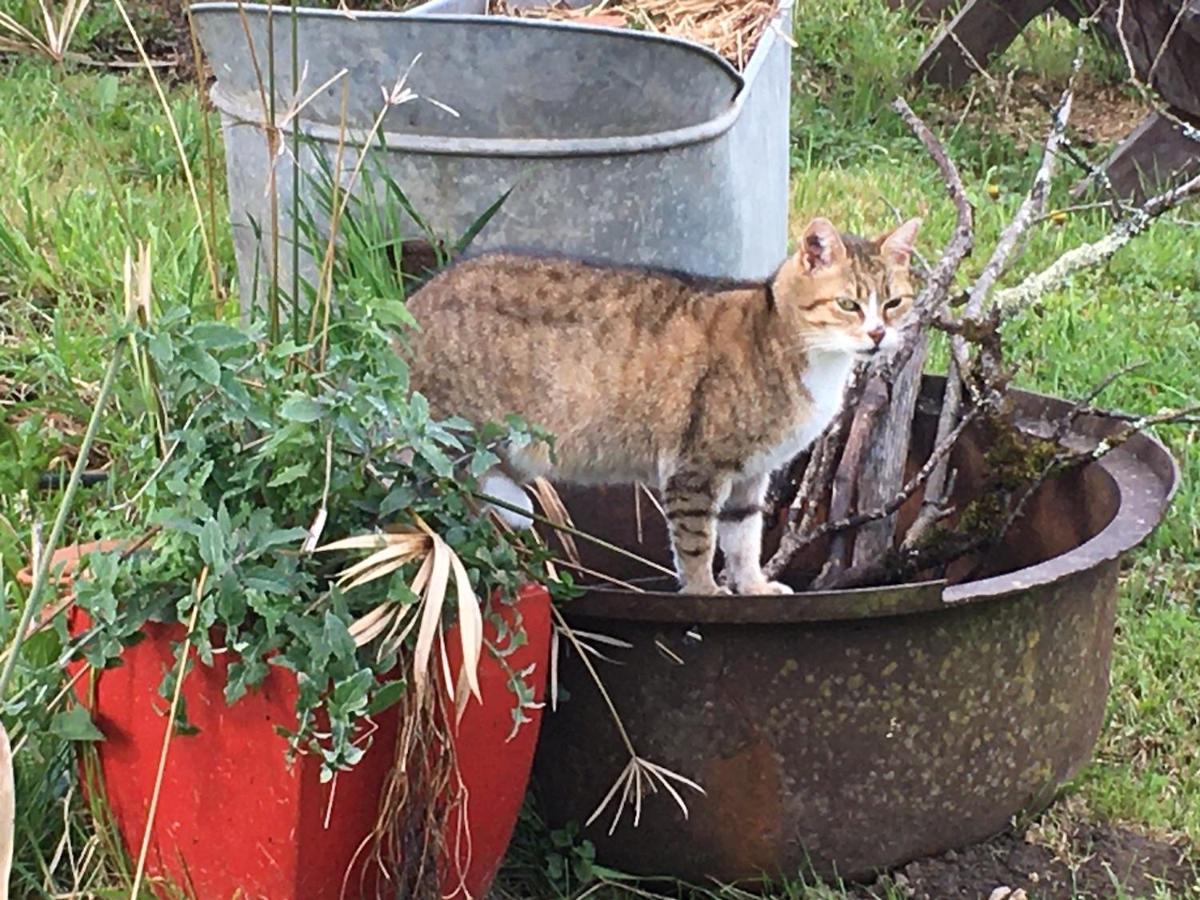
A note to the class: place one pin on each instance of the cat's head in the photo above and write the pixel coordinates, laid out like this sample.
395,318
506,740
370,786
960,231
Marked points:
847,294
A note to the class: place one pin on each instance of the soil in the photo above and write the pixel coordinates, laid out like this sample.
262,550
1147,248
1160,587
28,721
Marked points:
1083,862
1101,114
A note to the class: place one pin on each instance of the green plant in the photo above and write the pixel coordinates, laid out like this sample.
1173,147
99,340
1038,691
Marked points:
571,859
265,458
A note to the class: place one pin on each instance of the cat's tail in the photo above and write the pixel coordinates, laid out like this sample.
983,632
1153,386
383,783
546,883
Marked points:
496,484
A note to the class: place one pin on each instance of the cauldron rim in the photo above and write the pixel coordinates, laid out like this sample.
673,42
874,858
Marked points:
1142,471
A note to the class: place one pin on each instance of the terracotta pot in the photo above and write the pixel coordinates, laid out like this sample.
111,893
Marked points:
234,819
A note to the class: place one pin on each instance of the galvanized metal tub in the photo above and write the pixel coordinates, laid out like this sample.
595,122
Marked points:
619,145
851,731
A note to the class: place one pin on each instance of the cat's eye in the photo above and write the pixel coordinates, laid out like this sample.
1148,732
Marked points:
894,303
847,304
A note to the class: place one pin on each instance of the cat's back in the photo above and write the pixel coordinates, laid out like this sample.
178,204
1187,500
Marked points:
532,291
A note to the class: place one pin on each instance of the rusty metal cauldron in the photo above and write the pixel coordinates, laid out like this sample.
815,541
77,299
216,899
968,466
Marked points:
847,732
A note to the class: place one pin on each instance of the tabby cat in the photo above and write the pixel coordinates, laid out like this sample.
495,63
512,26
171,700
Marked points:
698,387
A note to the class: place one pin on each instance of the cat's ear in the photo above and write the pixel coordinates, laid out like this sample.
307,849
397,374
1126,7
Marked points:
820,246
897,246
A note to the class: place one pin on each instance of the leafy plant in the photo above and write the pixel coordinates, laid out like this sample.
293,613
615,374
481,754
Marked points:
570,860
265,459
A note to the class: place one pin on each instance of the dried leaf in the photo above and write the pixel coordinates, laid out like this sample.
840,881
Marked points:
470,627
435,596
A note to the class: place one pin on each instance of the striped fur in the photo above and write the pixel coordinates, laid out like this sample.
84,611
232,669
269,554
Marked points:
700,388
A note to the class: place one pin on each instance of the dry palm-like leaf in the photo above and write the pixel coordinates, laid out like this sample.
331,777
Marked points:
390,623
56,37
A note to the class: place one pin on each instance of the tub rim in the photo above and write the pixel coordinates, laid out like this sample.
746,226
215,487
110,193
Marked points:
244,110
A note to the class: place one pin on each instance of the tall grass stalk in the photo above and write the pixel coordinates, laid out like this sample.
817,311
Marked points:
210,153
295,285
209,254
42,569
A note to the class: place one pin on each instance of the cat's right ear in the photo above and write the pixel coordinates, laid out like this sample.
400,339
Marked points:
820,246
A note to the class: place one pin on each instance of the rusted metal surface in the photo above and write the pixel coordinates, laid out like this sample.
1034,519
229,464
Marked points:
852,731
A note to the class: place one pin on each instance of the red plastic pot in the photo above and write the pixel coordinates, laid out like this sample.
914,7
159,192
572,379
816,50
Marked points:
234,820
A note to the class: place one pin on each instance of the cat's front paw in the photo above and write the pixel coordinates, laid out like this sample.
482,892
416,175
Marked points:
704,588
765,587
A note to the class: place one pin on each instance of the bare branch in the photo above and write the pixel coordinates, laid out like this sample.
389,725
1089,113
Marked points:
814,485
1093,254
901,497
1031,207
937,286
938,488
845,481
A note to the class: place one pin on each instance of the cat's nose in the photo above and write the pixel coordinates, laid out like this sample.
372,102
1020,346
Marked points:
876,334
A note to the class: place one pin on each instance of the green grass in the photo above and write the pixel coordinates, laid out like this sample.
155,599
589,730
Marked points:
87,167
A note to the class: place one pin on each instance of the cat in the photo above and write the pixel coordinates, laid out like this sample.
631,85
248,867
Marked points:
699,387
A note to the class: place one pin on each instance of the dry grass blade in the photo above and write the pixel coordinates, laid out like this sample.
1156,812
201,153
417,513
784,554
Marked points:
431,613
470,631
367,627
8,811
556,511
57,35
383,562
621,784
604,639
554,645
25,41
358,542
638,777
583,646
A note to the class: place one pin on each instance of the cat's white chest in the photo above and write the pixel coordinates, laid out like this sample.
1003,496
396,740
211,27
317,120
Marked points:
825,381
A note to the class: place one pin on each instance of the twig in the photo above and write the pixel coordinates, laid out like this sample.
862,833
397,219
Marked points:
1069,460
901,497
168,731
1031,208
814,485
1083,403
1086,256
937,285
845,480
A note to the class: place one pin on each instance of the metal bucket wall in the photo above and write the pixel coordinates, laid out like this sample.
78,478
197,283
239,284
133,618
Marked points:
619,145
851,731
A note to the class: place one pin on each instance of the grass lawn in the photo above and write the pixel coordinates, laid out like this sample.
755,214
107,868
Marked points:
88,167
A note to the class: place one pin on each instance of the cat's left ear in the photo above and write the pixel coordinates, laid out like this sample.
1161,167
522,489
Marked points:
897,246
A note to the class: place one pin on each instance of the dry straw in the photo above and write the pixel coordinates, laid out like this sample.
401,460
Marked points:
731,28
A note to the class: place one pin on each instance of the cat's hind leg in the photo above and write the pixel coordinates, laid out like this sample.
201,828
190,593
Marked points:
740,527
691,498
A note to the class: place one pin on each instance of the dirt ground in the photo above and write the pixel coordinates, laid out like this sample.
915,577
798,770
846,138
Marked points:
1083,862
